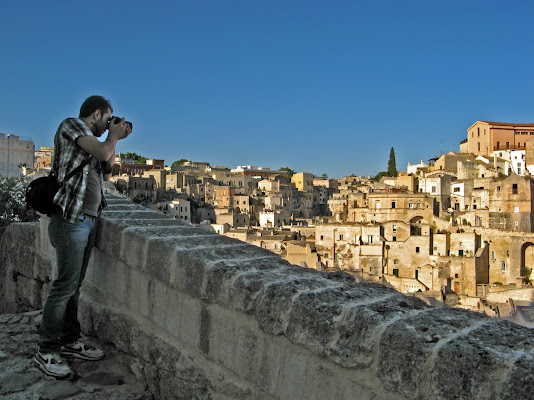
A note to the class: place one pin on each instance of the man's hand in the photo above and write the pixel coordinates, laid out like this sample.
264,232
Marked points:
119,131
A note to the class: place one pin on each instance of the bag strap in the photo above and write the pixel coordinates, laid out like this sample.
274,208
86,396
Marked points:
77,169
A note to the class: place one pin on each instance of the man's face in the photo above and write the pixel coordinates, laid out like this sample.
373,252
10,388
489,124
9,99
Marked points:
102,123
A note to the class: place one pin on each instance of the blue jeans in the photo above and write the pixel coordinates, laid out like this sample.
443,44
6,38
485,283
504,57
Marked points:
73,243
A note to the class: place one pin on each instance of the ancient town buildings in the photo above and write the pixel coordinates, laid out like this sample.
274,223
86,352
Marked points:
457,230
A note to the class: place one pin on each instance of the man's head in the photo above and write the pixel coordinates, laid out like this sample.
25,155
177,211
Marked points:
96,112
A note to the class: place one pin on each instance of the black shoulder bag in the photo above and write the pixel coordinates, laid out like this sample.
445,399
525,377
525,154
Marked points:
41,191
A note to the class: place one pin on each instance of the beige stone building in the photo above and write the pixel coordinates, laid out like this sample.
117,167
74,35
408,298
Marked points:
510,205
485,137
15,151
303,181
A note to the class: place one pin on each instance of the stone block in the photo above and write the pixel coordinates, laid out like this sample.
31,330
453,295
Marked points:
482,358
133,249
139,292
220,278
108,239
517,385
182,317
414,346
158,302
293,371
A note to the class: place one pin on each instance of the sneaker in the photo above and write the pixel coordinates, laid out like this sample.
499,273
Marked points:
52,364
82,350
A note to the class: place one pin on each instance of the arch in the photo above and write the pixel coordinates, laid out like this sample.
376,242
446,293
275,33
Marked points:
527,261
415,225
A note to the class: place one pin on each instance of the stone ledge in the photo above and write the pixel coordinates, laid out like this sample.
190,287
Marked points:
373,334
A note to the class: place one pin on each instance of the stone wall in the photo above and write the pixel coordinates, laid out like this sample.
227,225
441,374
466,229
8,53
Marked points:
210,317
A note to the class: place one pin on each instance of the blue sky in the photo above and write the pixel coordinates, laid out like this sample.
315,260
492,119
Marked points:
318,86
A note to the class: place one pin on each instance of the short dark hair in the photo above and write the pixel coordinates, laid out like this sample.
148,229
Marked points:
93,103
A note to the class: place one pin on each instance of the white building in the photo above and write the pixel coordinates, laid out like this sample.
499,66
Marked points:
274,218
415,168
515,158
180,209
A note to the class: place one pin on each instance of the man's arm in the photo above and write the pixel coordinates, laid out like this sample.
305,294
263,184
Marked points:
104,151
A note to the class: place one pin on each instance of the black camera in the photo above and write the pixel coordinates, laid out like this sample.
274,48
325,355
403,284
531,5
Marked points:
116,120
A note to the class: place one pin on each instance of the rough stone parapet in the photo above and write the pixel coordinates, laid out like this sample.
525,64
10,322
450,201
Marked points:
207,316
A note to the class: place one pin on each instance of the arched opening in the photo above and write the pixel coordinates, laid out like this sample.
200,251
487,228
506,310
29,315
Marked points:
415,226
527,261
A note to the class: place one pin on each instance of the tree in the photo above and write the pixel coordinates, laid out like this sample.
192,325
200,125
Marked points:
392,165
179,162
289,172
13,202
325,176
139,159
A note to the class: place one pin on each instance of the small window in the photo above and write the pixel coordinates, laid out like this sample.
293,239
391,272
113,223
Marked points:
503,266
395,261
396,272
456,275
394,228
417,249
461,253
516,209
394,238
393,204
514,188
322,237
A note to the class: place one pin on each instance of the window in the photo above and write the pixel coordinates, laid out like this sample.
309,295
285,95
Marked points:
340,237
514,188
377,205
456,189
503,266
394,238
410,205
460,253
516,209
394,228
322,237
393,204
396,272
493,254
498,188
417,249
370,239
434,189
395,261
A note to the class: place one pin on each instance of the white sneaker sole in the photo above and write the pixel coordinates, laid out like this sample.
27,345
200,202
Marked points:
48,372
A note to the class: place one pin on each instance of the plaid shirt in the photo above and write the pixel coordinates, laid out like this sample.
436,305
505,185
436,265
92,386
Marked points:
67,157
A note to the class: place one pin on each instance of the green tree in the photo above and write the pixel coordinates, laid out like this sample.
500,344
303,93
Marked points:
134,156
289,172
392,164
179,162
325,176
13,202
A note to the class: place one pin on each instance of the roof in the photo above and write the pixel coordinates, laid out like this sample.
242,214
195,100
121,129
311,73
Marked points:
503,124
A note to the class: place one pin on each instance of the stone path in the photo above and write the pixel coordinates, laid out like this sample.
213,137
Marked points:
20,379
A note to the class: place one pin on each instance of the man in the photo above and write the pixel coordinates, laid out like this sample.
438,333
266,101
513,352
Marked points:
72,228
